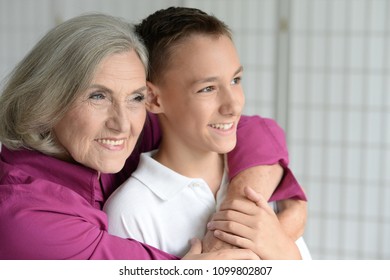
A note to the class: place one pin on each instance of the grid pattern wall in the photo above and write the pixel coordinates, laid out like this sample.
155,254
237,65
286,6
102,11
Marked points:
338,130
23,22
335,100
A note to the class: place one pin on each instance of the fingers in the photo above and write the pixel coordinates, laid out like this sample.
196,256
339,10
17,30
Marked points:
257,198
234,233
211,244
244,206
253,196
232,254
270,243
235,240
248,206
235,228
231,215
250,216
226,254
196,246
195,253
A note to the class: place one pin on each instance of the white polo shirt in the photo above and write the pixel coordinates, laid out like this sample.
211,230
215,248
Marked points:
162,208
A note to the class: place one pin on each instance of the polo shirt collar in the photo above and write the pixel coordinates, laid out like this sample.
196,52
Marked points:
150,172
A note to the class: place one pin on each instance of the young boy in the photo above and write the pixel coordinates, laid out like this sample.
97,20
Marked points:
195,89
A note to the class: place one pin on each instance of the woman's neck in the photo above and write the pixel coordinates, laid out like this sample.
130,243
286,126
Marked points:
192,163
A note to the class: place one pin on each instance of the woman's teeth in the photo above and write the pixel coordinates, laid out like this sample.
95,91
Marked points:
111,142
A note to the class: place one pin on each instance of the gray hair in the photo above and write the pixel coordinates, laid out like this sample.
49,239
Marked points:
42,87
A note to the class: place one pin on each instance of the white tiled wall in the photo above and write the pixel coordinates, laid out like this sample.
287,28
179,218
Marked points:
23,22
338,131
334,97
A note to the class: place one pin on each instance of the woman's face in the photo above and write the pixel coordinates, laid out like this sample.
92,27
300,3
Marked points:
103,125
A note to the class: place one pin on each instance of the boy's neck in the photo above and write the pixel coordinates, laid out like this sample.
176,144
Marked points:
191,163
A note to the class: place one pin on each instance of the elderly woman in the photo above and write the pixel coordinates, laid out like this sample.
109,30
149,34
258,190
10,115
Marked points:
71,114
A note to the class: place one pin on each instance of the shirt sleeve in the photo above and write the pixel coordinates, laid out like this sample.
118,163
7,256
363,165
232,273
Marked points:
43,223
261,141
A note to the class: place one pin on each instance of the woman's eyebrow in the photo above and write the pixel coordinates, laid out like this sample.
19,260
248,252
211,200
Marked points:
108,90
141,89
100,87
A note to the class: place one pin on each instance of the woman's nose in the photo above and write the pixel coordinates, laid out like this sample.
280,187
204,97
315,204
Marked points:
118,119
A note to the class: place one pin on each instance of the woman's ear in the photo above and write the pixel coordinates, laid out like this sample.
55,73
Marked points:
153,102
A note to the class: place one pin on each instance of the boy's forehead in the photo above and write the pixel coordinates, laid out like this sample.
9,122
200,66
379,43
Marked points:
200,60
199,47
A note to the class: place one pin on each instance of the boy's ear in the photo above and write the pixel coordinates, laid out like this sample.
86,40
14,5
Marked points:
153,102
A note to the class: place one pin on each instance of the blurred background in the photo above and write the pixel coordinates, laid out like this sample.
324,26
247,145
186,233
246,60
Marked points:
319,67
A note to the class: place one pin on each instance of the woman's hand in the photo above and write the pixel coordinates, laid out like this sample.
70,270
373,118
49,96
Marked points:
253,225
195,253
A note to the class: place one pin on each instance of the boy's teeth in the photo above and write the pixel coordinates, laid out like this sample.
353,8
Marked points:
222,126
111,142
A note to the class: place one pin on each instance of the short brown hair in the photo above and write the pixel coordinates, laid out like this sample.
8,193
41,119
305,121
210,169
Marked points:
165,29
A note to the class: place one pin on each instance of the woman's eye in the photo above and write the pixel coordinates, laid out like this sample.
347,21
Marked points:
136,98
139,97
97,96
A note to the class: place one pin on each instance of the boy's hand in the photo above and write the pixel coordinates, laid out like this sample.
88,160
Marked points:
195,253
252,224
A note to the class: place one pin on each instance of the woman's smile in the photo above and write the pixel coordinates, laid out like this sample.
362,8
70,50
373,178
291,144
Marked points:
112,144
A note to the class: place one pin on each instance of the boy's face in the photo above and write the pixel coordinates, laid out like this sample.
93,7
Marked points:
201,94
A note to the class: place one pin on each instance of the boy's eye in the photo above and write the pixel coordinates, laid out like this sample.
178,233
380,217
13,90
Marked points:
236,81
206,89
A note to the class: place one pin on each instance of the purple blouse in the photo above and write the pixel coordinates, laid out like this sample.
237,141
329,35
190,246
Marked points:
51,209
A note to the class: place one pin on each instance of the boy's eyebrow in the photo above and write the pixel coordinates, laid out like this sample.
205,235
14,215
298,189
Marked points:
213,79
240,69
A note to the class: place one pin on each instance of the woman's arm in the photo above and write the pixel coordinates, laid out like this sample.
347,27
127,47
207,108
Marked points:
44,220
292,215
261,143
51,222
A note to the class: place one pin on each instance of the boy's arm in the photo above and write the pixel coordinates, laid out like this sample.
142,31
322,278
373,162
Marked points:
264,179
292,212
253,225
260,161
